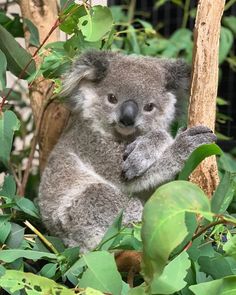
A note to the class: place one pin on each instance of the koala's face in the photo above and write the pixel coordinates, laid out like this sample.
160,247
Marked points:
125,95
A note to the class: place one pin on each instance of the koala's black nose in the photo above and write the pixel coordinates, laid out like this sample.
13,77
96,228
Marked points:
128,112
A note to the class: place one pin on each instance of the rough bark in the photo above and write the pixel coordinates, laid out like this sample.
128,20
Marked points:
43,13
202,107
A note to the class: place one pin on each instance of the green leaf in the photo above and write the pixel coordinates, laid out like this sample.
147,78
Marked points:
226,43
8,125
9,187
102,273
16,236
5,228
56,242
179,41
70,17
230,247
172,278
230,22
227,162
17,57
111,233
12,255
48,270
197,156
132,37
224,193
32,284
164,222
218,266
34,33
96,23
224,286
27,206
3,68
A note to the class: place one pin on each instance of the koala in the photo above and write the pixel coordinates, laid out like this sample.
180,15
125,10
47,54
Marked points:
117,147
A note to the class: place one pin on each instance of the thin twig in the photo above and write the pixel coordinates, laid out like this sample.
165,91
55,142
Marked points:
41,236
212,224
17,179
21,189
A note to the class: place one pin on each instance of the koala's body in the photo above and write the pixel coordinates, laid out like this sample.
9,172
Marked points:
117,148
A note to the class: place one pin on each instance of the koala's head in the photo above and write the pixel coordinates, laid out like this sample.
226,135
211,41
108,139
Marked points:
124,95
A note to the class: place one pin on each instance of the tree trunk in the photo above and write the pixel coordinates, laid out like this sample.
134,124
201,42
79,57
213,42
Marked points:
202,107
44,13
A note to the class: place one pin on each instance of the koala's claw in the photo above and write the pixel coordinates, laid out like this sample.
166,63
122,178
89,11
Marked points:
190,139
136,160
198,130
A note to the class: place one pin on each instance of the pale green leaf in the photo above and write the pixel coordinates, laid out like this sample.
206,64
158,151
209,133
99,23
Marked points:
224,193
48,270
102,273
96,23
17,57
9,187
3,68
224,286
34,33
172,278
226,43
11,255
8,125
14,280
164,222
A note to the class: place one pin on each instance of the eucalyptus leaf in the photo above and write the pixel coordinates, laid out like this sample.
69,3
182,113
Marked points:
224,193
5,228
111,233
230,247
16,236
8,125
48,270
218,266
32,284
224,286
3,68
9,187
34,33
96,23
197,156
17,57
12,255
172,278
230,22
226,43
99,275
164,222
27,206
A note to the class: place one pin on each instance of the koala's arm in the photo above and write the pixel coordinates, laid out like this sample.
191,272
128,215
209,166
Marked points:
149,164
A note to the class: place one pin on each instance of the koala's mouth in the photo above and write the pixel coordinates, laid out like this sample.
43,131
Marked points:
125,130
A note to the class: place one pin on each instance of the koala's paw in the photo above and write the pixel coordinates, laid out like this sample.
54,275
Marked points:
190,139
138,158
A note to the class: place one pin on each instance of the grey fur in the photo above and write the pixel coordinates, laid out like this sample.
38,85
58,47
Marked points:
100,167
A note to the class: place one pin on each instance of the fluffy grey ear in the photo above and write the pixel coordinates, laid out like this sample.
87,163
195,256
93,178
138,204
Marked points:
177,75
90,66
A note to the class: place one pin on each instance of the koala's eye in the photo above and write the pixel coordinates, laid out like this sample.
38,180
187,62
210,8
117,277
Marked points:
149,107
111,98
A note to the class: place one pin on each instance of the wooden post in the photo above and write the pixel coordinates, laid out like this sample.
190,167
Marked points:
202,107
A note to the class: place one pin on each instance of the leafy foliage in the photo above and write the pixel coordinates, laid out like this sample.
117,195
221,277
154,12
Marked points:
188,242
